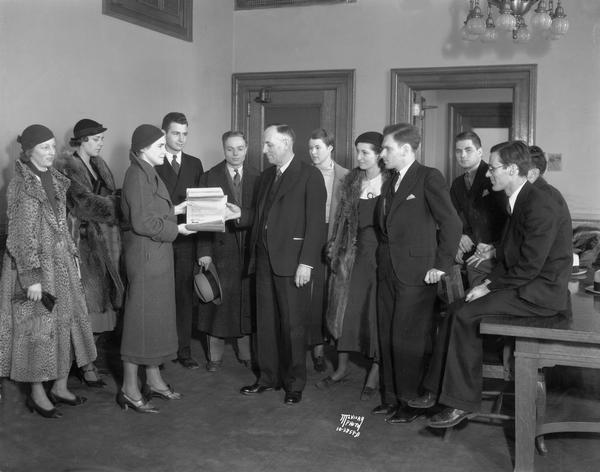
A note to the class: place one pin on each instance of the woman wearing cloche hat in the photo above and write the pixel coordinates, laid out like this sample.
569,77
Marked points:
149,330
43,314
93,216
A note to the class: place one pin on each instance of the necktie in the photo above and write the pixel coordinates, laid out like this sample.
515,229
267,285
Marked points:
468,181
175,165
395,182
236,178
277,175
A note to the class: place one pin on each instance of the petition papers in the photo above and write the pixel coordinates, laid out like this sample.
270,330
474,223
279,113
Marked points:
206,209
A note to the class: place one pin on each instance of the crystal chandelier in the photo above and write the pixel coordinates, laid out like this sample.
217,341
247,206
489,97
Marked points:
551,22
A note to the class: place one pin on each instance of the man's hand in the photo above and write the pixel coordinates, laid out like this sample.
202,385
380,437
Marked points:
204,262
232,212
466,244
433,276
477,292
459,256
34,292
302,275
482,253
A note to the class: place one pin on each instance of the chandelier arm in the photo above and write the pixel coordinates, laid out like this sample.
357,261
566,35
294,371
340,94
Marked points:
518,7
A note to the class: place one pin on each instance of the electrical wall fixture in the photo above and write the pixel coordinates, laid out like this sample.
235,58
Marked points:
551,22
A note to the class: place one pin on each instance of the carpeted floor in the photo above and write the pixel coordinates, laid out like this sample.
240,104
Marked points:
214,428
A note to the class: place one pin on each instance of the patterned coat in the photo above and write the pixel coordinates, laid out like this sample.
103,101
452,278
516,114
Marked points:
93,221
36,345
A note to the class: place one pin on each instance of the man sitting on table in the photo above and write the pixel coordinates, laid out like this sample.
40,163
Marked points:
530,279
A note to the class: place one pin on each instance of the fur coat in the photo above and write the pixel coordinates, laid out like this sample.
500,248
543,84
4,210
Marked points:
35,344
93,217
341,249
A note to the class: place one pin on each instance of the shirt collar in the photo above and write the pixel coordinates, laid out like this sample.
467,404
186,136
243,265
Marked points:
513,198
285,166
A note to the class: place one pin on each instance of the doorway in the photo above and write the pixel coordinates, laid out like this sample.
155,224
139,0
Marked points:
518,82
303,100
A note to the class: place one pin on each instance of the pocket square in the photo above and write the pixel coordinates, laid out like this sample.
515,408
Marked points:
485,193
410,197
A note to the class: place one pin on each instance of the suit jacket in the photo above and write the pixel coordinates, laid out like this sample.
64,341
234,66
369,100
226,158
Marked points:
536,253
409,221
339,173
295,230
189,177
481,209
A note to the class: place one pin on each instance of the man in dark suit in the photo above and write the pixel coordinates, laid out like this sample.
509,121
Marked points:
287,237
481,209
414,207
530,279
232,317
179,172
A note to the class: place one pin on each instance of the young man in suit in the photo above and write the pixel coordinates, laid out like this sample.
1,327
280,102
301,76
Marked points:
320,147
481,209
530,279
179,172
287,238
420,233
232,317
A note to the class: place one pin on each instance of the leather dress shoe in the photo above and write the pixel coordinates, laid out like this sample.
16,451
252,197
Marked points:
367,393
292,397
449,417
384,409
404,414
424,401
254,389
188,363
213,366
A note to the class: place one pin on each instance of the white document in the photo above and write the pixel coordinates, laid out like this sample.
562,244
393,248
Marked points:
206,209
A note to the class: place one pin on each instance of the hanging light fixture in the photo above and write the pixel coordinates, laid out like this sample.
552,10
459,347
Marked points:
553,23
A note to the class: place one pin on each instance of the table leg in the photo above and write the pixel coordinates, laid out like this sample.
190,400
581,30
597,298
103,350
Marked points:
525,417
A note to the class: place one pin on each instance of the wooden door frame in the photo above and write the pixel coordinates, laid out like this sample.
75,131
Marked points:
248,84
521,78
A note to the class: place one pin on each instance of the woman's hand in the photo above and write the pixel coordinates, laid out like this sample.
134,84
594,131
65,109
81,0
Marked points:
482,253
232,212
204,262
182,229
181,208
34,292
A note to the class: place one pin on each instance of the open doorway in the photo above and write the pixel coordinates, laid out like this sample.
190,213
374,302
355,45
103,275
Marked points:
513,86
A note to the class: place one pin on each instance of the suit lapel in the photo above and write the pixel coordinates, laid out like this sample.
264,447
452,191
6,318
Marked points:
406,185
288,178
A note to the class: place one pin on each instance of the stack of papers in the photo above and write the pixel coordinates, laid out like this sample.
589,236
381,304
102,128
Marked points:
206,209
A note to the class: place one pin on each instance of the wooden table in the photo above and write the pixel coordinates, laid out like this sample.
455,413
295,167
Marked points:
547,342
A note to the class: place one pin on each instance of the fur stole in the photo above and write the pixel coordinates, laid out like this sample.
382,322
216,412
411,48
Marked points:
83,201
341,249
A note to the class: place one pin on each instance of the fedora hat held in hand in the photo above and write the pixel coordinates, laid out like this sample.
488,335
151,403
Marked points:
208,286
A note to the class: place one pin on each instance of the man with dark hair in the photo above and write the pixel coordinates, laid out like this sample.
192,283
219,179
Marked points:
286,242
530,279
411,259
179,172
480,208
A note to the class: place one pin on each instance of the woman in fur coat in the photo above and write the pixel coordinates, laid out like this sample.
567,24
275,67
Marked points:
43,316
92,205
352,312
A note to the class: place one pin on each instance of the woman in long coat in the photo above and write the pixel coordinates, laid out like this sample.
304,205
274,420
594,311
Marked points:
93,216
43,315
228,252
149,331
352,301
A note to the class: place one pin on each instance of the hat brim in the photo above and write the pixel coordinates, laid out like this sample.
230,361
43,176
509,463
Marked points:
208,286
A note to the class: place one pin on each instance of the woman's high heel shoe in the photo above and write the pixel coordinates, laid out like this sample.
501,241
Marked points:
141,405
96,383
168,394
67,401
33,406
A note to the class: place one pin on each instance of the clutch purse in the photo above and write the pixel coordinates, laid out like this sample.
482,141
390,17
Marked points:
48,300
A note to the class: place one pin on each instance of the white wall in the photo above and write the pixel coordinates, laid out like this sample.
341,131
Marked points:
374,36
63,60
